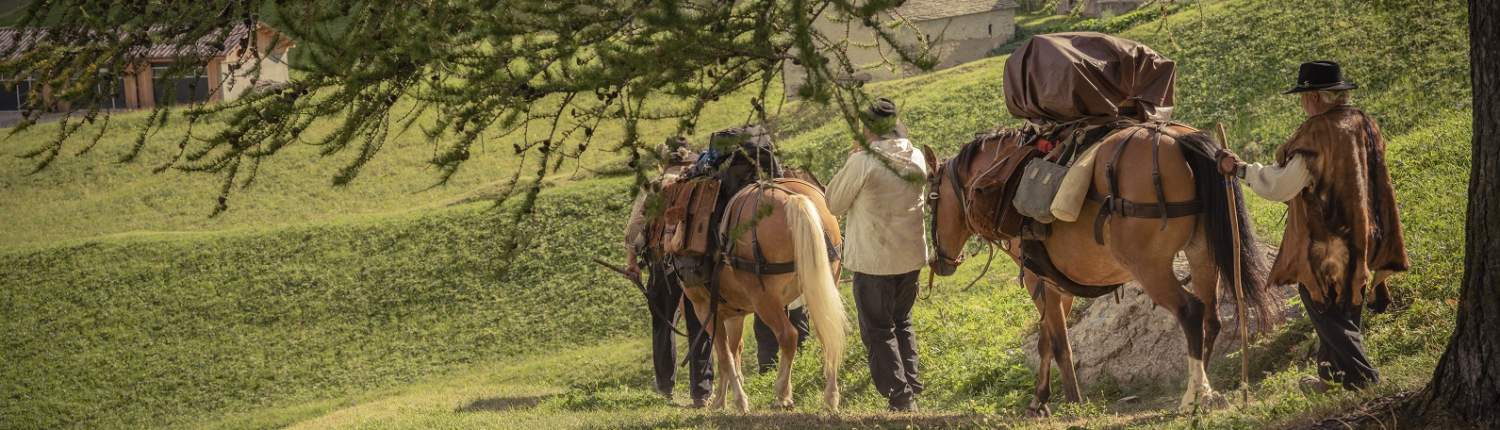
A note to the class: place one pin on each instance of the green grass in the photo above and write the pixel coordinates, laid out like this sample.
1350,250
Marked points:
146,329
92,194
378,306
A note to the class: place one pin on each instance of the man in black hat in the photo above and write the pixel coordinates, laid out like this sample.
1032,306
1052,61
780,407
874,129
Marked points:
1343,233
879,193
664,290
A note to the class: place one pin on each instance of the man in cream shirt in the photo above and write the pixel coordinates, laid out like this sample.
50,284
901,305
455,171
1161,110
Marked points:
879,192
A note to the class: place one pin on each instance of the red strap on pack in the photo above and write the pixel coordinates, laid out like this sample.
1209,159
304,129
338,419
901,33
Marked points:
1044,145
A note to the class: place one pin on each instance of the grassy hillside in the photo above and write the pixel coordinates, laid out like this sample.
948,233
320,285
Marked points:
91,195
375,306
142,330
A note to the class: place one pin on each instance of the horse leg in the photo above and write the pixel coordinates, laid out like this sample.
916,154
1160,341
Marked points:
1062,349
1205,282
1161,285
721,355
775,317
1038,407
734,342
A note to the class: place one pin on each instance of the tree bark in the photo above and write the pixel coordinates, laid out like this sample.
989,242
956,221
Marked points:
1465,388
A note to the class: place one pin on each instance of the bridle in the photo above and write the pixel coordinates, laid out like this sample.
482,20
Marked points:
934,191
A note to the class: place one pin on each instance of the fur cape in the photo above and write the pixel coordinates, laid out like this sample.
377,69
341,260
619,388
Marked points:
1343,232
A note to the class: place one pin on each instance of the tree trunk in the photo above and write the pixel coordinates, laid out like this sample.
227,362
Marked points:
1465,388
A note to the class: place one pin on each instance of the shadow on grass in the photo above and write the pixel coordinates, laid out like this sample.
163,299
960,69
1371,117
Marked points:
501,404
804,420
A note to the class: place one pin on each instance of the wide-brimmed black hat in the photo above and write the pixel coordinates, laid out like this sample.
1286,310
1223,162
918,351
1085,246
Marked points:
1320,76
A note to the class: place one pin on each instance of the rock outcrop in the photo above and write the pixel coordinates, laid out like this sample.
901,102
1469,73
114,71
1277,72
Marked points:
1136,346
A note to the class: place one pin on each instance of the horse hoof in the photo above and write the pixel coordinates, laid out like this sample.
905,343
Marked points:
1041,411
1214,400
783,405
1206,402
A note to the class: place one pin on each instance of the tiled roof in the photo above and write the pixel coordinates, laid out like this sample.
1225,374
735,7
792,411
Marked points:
14,41
925,10
208,45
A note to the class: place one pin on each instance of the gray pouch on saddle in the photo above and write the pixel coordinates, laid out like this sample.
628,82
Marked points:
1039,184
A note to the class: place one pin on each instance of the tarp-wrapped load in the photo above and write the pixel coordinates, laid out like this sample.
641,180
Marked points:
1068,76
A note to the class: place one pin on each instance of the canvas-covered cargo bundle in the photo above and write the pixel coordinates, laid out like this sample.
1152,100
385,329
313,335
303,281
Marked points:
1071,76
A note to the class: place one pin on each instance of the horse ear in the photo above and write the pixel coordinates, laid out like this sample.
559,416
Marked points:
931,158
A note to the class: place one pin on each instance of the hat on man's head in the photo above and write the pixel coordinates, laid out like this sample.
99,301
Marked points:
1320,76
880,117
675,142
676,151
881,108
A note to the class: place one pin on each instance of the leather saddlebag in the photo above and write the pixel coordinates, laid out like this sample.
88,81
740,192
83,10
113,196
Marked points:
993,191
687,222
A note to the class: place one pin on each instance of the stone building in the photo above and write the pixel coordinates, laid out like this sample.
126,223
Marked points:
227,72
961,31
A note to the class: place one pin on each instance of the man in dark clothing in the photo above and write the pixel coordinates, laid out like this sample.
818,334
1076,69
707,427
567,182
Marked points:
664,290
1343,231
665,295
767,351
1341,346
884,304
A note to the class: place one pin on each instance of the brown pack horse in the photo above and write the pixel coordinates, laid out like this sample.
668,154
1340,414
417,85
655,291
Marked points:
1137,241
789,222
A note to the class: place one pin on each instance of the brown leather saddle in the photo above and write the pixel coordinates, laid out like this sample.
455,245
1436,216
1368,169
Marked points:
993,216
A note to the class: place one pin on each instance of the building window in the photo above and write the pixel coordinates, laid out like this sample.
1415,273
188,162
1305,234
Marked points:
992,29
14,99
184,89
111,91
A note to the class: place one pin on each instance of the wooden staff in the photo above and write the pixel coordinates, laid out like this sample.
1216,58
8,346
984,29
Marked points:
1239,290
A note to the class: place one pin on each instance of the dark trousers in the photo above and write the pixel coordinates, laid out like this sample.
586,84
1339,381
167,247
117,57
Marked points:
767,350
663,294
1341,351
884,303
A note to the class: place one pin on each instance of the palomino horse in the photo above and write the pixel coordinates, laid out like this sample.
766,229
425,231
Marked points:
779,237
1138,242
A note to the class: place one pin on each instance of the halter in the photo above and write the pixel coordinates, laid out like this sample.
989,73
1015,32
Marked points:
934,185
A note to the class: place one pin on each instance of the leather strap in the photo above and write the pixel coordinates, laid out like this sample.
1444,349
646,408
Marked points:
1131,209
762,268
1161,193
1036,259
1112,174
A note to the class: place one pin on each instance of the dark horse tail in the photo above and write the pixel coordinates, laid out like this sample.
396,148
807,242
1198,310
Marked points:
1199,149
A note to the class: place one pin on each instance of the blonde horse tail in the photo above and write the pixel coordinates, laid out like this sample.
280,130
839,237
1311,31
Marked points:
819,290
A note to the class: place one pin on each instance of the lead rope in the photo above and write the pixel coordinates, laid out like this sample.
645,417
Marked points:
986,270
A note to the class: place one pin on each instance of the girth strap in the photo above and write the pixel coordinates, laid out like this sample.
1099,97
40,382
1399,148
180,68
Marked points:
1036,259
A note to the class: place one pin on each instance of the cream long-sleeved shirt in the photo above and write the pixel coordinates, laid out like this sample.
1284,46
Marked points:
883,212
1278,183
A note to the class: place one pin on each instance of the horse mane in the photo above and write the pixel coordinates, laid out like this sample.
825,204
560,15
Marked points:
967,153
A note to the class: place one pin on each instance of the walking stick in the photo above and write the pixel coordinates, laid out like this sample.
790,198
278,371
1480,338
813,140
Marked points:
1239,290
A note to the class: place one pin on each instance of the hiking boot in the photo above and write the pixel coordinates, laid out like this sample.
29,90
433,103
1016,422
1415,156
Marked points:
907,404
699,403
